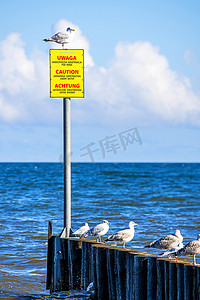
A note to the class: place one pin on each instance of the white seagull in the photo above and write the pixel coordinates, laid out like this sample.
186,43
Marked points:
61,37
99,230
123,236
82,230
168,242
190,249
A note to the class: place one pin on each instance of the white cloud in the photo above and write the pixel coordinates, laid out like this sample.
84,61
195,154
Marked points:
138,85
23,81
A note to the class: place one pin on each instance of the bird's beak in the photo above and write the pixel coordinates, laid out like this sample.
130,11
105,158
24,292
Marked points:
73,29
136,224
109,223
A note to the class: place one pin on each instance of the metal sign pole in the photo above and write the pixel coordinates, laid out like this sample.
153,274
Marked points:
67,164
67,80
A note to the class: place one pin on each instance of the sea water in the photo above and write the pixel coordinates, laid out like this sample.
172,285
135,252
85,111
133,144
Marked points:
159,197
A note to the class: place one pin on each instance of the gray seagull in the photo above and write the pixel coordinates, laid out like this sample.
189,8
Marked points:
61,37
82,230
99,230
123,236
190,249
168,242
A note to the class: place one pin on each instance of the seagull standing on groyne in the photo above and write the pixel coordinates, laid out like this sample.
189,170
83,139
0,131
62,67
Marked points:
168,242
99,230
61,37
123,236
82,230
190,249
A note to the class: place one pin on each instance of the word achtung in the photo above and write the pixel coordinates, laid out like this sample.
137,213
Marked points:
67,85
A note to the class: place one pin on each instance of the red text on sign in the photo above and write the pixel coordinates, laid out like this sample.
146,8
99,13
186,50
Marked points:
67,71
64,57
67,85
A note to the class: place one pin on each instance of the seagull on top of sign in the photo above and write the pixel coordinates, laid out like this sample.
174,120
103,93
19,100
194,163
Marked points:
61,37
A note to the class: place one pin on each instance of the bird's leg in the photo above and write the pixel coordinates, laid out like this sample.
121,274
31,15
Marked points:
176,259
124,245
194,260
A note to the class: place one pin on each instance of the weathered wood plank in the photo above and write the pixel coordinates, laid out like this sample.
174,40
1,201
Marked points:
180,281
74,262
130,284
101,281
172,281
151,278
160,294
140,277
111,273
50,259
50,229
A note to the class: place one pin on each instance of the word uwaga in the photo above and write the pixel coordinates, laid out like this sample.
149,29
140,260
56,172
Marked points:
66,57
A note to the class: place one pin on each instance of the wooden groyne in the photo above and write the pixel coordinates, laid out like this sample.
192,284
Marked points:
117,273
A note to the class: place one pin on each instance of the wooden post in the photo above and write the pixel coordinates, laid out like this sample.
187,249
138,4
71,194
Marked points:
188,282
93,269
120,262
101,281
130,284
172,281
110,261
50,229
180,281
196,291
50,265
166,279
86,274
160,280
151,278
55,272
74,262
140,277
64,265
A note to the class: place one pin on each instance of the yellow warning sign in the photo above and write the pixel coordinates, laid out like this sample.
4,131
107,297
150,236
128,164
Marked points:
67,73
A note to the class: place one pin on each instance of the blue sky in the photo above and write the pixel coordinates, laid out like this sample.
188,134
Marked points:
142,73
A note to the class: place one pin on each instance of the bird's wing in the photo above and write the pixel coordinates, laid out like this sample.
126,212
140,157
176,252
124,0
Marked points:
169,237
168,240
98,229
94,231
120,235
81,230
60,36
124,232
192,247
165,242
